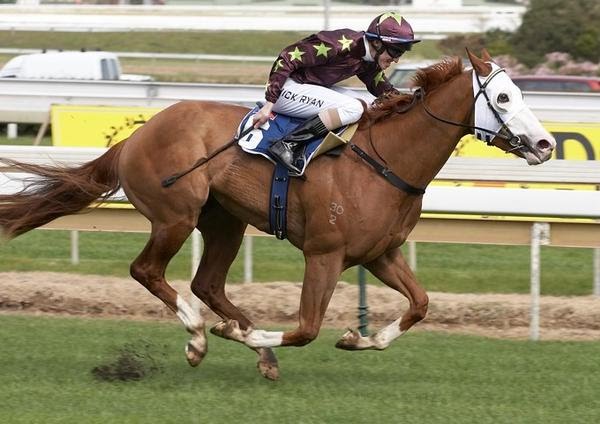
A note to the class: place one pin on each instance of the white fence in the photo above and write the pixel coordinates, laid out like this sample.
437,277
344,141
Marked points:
439,199
29,101
428,23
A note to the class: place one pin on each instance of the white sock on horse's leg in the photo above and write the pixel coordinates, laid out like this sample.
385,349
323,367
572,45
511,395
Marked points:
386,335
196,348
262,338
353,340
191,319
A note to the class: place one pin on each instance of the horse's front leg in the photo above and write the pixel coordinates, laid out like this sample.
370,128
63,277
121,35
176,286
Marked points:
391,269
320,277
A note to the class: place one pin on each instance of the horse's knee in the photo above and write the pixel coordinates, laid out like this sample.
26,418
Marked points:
141,274
137,272
207,294
420,307
201,292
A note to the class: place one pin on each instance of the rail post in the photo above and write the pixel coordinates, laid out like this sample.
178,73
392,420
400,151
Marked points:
248,242
412,255
195,303
363,308
596,260
540,234
74,247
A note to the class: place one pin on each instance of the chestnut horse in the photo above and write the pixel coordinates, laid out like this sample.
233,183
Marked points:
412,135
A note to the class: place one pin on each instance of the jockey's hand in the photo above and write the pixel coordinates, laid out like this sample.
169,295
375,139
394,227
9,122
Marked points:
263,114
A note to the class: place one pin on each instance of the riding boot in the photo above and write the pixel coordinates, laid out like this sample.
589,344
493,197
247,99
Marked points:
283,150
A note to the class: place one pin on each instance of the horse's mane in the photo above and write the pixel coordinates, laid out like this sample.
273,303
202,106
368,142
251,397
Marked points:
427,78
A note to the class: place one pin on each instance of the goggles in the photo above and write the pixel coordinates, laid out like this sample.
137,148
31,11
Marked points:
395,51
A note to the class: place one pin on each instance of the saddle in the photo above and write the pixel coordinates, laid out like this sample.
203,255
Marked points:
257,141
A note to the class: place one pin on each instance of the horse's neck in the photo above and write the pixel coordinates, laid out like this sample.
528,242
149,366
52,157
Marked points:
417,145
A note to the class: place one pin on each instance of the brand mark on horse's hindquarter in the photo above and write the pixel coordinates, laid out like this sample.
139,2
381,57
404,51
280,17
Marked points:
335,210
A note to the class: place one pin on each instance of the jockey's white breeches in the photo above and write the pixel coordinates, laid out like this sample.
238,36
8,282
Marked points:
307,100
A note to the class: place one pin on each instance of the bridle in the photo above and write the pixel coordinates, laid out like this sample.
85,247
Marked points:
504,133
419,95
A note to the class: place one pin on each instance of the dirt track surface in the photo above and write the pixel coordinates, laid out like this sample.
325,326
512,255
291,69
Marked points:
494,315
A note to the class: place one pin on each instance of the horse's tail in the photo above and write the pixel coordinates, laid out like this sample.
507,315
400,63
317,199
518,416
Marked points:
56,191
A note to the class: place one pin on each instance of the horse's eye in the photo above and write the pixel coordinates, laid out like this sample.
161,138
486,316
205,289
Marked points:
503,98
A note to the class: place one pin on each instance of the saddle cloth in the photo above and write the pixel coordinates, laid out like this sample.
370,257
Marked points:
257,141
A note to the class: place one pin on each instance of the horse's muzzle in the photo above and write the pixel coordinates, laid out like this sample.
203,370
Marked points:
539,151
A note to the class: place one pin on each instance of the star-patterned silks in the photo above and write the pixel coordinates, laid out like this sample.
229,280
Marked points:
322,49
296,54
325,59
278,65
345,42
392,15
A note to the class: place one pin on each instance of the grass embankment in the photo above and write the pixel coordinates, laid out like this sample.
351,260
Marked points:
451,268
244,43
423,377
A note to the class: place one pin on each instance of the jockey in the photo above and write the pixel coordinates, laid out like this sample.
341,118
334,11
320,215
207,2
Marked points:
302,78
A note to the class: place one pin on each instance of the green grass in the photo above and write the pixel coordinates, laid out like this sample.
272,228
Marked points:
441,267
25,140
262,43
46,366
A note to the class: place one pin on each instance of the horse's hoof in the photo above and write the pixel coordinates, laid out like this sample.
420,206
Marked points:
268,370
267,363
193,355
349,341
219,329
229,329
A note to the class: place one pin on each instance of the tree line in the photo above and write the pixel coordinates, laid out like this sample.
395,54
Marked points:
547,26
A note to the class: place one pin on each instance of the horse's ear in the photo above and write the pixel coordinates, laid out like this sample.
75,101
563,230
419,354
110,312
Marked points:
481,67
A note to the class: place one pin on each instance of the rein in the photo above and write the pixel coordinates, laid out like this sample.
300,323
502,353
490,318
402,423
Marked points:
386,173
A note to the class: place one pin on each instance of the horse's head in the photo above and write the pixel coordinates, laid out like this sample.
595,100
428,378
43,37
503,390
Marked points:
501,116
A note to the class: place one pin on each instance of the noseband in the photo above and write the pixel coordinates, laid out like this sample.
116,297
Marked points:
504,133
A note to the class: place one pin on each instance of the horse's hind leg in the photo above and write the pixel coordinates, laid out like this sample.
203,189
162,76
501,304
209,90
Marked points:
391,268
222,234
149,269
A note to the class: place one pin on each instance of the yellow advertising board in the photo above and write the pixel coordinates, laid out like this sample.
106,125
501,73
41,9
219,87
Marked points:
574,141
96,126
103,126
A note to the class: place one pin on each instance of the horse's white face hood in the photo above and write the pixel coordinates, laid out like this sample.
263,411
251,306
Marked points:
506,100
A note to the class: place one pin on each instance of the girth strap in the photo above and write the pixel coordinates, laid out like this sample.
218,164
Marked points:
387,173
278,201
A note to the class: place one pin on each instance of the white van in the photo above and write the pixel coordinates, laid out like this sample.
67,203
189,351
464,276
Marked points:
68,65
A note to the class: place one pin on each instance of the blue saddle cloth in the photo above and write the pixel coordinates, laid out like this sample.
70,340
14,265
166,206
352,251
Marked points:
258,140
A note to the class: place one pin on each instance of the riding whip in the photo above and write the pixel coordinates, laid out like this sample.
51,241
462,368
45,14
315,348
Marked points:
169,181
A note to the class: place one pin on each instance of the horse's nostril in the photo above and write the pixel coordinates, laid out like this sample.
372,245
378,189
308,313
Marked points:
544,145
